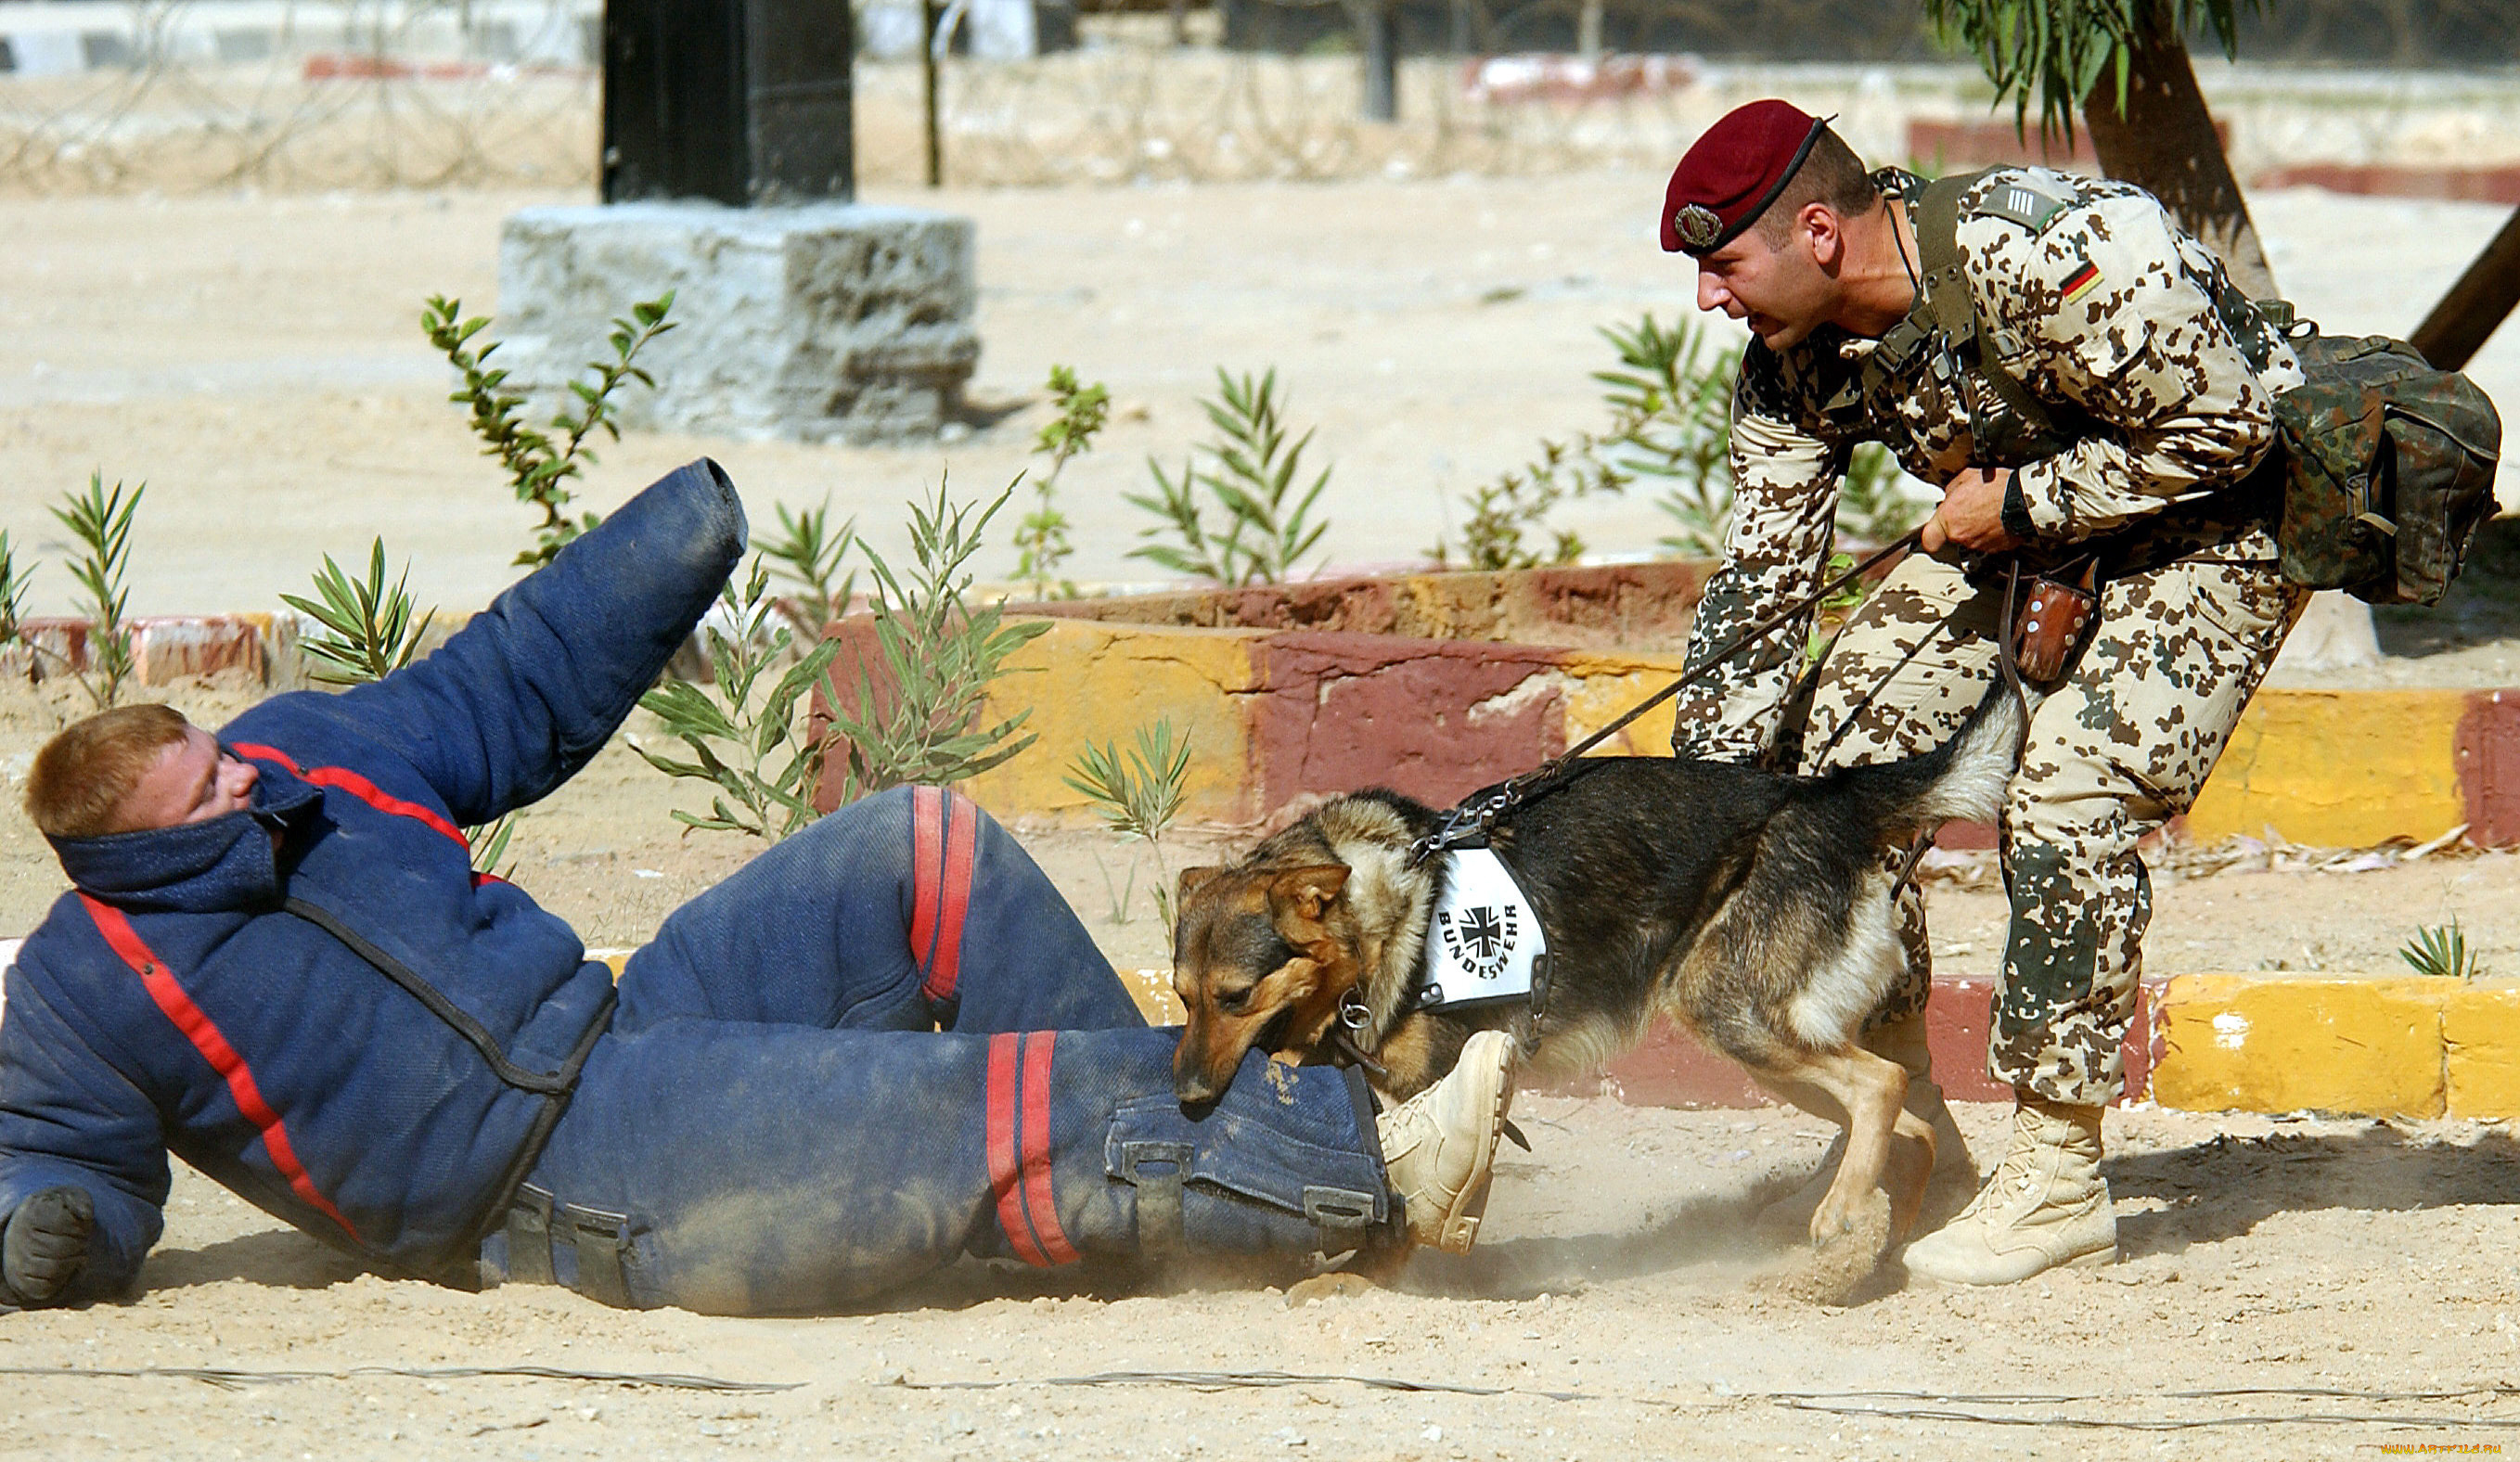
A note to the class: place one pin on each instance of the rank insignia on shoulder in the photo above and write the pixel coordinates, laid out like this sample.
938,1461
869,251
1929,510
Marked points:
2022,202
2083,281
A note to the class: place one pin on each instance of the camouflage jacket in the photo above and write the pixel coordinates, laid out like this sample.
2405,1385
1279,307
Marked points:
2091,298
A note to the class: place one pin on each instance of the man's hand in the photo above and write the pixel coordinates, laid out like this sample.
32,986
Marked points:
44,1248
1971,514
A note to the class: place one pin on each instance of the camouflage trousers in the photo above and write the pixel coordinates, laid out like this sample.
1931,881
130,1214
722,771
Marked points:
2116,748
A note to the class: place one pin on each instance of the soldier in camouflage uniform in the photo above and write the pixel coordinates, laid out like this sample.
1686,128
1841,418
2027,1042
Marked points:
2088,296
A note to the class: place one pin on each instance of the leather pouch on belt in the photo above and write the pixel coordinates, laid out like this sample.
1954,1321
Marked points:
2053,621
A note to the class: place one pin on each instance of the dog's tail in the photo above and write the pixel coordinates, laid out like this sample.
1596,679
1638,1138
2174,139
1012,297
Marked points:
1965,777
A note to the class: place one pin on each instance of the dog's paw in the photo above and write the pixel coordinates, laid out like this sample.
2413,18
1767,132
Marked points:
1338,1285
1834,1271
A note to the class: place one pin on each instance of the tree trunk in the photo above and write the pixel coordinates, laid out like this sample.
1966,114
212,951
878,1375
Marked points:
2164,144
2483,296
930,44
1378,27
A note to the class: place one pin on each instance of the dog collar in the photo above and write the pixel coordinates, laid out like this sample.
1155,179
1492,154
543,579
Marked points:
1484,942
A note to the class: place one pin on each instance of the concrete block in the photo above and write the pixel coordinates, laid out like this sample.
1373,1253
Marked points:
847,322
2237,1043
2481,1051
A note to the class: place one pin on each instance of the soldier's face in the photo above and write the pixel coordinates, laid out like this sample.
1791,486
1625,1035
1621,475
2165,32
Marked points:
1780,291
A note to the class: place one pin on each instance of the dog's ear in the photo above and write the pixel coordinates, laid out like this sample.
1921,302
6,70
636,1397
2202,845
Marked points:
1192,882
1307,892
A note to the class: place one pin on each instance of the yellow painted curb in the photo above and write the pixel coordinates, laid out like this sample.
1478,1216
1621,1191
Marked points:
1603,689
1087,682
1152,990
2481,1050
2338,769
2233,1043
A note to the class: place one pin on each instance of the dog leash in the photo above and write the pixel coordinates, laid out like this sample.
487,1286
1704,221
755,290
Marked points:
1469,824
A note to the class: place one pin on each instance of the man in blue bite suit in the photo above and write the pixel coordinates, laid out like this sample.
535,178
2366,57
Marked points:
883,1045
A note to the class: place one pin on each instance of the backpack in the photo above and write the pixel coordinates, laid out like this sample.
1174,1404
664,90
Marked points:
2388,469
2388,460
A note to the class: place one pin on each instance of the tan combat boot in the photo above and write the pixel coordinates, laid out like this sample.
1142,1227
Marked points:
1438,1145
2045,1206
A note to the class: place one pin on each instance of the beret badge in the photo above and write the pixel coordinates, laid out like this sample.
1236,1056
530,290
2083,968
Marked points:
1698,225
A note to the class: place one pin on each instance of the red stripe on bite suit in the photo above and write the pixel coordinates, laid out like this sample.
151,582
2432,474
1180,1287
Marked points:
946,969
204,1034
1006,1172
353,784
926,867
1039,1202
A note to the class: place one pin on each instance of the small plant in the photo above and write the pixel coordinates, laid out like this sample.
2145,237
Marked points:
13,594
1040,539
1137,796
1251,476
2441,951
939,655
538,465
1503,511
367,629
807,555
745,739
1679,390
1669,399
100,522
370,632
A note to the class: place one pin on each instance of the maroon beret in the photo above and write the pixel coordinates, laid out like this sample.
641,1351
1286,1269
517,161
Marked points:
1732,172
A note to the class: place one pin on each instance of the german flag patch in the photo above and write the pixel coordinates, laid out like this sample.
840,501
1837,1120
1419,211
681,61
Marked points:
2081,282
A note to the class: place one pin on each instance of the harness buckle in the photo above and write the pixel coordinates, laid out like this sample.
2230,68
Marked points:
530,1236
1337,1207
1155,1169
602,1240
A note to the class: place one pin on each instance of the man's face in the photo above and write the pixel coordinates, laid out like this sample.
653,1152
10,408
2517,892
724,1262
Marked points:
191,781
1780,292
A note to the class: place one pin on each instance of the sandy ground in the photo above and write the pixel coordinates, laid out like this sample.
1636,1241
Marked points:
1620,1304
257,361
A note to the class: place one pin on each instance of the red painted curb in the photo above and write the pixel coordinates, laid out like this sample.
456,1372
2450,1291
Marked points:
1672,1070
2489,767
166,646
1430,718
1987,143
2477,185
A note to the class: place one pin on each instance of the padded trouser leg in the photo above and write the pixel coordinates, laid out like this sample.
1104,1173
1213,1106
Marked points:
776,1167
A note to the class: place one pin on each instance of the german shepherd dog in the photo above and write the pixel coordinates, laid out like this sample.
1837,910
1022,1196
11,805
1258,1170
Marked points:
1756,908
